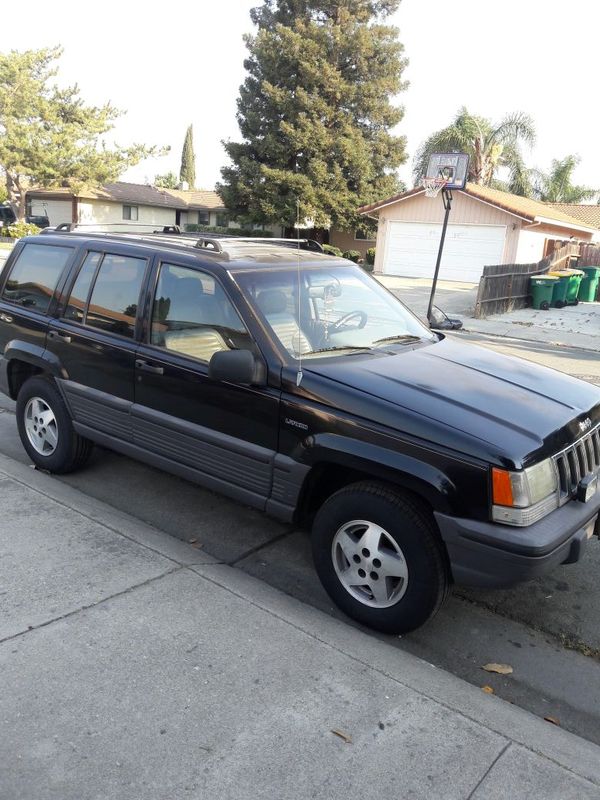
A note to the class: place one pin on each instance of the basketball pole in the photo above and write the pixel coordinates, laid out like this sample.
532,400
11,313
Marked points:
447,198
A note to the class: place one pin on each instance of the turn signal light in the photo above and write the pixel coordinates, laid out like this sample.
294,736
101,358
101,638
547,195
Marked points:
502,487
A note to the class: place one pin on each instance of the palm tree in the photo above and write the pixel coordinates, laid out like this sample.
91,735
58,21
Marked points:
555,186
488,144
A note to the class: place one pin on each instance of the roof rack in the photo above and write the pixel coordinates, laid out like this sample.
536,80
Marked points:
69,227
212,243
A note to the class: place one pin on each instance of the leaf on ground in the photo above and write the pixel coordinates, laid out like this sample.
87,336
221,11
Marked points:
342,735
192,541
553,720
487,689
501,669
197,544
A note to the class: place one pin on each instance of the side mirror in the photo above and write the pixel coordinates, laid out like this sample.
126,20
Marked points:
237,366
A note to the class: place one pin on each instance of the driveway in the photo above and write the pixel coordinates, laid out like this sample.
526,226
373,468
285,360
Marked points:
573,326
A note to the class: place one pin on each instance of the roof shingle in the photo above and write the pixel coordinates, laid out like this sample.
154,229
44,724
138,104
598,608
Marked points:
524,207
141,194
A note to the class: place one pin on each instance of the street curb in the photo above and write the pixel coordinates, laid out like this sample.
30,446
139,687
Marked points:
576,755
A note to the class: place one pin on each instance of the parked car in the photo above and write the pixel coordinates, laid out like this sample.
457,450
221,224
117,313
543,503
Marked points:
295,383
7,217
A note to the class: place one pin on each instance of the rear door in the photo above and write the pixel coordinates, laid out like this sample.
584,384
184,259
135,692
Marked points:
93,336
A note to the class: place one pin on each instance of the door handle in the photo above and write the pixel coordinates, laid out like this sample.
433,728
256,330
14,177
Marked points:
145,367
6,318
56,335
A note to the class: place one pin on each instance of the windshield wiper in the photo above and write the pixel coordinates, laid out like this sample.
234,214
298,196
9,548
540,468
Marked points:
351,347
401,337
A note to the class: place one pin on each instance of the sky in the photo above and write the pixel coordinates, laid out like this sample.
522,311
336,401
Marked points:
169,66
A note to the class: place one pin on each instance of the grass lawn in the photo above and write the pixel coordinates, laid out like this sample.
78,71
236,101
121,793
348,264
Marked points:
6,246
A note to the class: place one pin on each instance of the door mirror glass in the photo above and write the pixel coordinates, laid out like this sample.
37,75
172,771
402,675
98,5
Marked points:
237,366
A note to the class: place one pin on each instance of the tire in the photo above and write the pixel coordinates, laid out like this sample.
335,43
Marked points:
560,304
46,429
367,517
544,305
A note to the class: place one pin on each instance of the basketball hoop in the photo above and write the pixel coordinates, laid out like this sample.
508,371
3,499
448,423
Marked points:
433,186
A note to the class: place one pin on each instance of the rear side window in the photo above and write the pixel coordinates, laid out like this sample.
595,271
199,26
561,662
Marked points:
34,275
113,304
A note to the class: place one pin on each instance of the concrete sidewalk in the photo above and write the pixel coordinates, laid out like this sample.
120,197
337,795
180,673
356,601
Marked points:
573,326
135,666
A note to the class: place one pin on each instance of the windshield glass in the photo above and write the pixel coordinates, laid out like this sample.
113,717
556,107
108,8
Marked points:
324,311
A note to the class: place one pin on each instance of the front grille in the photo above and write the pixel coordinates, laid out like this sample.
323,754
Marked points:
576,461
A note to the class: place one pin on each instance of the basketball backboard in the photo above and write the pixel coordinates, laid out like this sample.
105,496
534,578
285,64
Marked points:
451,167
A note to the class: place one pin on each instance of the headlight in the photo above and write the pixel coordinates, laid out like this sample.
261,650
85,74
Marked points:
522,498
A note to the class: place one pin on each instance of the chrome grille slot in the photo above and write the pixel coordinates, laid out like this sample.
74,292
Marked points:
576,461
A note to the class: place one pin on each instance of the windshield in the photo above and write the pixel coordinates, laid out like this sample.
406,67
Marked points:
325,311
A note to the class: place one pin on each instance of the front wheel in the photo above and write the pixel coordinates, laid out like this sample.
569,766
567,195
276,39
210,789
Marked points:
46,429
380,558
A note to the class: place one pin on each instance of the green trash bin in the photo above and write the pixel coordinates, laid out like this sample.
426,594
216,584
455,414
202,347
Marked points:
541,289
589,284
575,278
559,295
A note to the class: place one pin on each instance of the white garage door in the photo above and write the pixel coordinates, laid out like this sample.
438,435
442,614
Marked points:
412,248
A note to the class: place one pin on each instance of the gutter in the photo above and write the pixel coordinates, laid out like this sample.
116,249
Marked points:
566,224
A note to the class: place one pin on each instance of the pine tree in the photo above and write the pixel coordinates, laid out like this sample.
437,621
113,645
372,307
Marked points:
315,113
48,136
187,172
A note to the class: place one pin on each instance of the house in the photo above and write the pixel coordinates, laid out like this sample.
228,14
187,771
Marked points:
586,213
486,227
123,202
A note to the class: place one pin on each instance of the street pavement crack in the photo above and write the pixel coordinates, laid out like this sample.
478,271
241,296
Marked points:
235,562
76,611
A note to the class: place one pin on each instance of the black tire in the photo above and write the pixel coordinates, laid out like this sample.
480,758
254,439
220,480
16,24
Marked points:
544,305
71,451
560,304
413,530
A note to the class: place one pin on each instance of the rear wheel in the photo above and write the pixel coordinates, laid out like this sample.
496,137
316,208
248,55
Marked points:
46,429
380,558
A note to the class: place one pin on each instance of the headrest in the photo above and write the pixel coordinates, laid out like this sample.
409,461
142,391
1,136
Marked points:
272,301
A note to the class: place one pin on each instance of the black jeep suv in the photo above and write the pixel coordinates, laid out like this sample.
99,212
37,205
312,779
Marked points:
297,384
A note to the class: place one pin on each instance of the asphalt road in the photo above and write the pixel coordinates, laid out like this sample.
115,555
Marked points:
547,630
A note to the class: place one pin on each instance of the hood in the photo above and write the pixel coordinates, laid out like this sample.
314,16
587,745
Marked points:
517,411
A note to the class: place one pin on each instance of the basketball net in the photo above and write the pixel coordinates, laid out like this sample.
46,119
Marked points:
433,186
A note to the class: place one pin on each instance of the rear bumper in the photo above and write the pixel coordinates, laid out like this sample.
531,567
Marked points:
4,387
497,556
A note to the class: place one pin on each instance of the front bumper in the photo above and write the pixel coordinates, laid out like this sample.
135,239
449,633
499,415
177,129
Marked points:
497,556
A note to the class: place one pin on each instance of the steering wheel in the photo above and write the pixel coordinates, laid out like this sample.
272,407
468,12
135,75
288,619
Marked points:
342,321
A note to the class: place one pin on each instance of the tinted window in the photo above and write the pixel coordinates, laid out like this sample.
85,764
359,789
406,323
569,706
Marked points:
81,289
113,304
35,274
193,315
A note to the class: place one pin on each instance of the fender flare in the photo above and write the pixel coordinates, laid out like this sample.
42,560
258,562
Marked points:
391,466
18,350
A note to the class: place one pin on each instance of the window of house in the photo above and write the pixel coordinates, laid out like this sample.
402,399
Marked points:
130,212
34,275
204,217
192,315
222,219
364,235
113,303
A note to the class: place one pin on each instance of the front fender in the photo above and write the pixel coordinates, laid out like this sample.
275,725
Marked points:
418,476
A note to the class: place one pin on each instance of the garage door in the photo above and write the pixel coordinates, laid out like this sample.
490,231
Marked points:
412,248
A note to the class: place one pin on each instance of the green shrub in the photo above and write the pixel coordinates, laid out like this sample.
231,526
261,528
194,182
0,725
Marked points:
332,251
370,257
19,229
351,255
249,232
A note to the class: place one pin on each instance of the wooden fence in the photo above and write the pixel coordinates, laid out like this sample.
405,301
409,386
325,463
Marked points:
505,287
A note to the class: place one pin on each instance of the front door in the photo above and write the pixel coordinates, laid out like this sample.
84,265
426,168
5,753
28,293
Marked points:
94,339
221,435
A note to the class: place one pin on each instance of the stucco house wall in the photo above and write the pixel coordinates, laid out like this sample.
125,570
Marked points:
111,213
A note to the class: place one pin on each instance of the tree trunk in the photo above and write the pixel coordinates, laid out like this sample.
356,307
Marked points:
16,197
